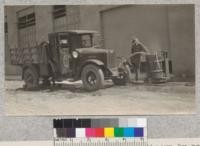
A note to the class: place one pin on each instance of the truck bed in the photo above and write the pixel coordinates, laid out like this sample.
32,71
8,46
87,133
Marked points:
21,56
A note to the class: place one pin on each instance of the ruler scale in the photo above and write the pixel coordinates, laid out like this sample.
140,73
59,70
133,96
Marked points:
100,132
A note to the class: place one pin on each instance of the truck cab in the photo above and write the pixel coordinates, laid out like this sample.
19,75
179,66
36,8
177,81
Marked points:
68,50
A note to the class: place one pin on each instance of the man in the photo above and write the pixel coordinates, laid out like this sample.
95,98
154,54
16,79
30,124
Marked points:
137,50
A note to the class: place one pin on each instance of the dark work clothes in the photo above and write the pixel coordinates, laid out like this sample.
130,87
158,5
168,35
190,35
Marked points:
60,132
137,58
138,48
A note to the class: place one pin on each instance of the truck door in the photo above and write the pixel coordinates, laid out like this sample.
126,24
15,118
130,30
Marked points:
64,54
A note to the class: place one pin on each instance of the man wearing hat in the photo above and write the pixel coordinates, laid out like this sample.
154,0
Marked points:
137,50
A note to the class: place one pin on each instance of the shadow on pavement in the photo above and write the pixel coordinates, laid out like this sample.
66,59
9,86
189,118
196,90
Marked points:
75,88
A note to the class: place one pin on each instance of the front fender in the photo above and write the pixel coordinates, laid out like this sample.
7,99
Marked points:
93,61
90,61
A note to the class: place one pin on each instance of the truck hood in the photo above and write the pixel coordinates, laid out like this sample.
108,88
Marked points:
91,50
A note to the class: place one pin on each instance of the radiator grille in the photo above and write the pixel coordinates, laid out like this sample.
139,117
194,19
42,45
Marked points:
111,59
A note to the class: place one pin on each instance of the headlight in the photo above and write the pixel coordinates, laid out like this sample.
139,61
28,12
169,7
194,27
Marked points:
75,54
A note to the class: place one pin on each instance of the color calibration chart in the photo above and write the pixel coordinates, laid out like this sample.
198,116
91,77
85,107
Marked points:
100,132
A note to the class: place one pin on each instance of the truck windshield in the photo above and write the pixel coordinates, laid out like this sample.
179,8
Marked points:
64,41
86,40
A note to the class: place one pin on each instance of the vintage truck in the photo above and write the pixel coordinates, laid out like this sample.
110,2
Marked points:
69,55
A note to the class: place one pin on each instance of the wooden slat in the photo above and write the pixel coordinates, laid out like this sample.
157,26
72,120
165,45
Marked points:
21,56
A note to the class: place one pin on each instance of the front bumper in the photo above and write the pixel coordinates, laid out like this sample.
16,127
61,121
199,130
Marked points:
111,73
119,72
114,72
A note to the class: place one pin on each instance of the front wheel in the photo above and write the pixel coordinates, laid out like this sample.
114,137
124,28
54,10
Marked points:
92,77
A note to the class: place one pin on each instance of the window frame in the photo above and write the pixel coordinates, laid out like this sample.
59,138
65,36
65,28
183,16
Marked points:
26,20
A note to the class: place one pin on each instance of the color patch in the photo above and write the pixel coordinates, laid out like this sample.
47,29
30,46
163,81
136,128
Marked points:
67,123
86,123
60,132
77,123
57,123
99,132
132,122
119,132
54,132
141,122
128,132
90,132
70,132
80,132
109,132
65,132
138,132
110,128
123,122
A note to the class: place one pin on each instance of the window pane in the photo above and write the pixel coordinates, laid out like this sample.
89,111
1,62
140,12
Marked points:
86,41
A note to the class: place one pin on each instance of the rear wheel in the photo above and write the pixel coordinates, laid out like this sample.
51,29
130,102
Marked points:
31,78
46,82
92,77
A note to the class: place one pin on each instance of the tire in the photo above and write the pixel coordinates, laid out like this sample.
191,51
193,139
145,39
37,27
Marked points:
124,77
30,78
119,81
92,77
46,82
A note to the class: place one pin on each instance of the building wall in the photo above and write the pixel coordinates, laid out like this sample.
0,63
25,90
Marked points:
182,39
12,39
44,22
90,16
158,27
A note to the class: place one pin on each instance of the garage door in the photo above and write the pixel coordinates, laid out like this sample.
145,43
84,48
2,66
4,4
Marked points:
148,23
